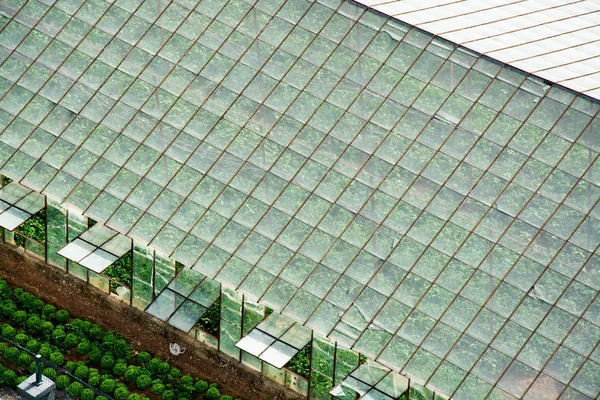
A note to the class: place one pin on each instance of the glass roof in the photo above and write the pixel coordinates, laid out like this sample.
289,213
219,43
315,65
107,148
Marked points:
97,248
183,302
372,380
425,205
556,40
18,204
276,340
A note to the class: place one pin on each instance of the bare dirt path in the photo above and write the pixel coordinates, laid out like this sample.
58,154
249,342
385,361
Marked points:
137,327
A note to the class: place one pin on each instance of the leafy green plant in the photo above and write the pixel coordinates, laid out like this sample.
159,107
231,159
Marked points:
95,354
12,354
94,380
50,373
119,369
46,328
24,359
33,325
82,372
213,394
108,386
9,377
121,393
21,339
187,380
45,351
19,318
4,290
33,345
62,316
154,365
84,347
63,381
107,362
87,394
158,388
30,302
48,311
71,340
58,336
168,395
143,382
143,358
8,331
132,373
201,386
75,389
8,308
174,373
95,332
57,358
70,366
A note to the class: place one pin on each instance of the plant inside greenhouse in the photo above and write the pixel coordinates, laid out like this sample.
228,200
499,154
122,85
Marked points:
321,199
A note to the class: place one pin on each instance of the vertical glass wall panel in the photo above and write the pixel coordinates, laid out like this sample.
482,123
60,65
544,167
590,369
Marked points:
253,362
77,270
164,271
77,224
9,237
35,248
142,278
253,314
53,258
99,281
231,322
296,383
345,362
274,373
56,233
57,223
322,368
206,338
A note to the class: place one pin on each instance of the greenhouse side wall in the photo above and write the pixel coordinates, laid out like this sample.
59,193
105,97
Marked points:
324,362
150,274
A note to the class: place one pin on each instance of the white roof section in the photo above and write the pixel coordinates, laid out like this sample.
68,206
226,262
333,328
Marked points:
558,40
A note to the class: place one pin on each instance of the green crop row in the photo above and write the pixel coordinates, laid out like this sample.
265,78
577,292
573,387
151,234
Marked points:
101,359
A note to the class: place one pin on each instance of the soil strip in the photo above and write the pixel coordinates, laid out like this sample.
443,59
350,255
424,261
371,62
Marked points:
143,331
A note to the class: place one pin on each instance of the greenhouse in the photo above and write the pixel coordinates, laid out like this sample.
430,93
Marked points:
400,198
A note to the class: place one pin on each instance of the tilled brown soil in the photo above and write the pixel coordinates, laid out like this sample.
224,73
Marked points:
137,327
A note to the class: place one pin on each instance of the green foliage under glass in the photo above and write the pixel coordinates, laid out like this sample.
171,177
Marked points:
34,228
300,363
211,318
120,271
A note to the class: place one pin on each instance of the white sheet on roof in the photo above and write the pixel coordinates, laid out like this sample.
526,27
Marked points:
558,40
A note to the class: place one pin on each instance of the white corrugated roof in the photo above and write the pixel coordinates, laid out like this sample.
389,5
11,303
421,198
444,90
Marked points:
558,40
